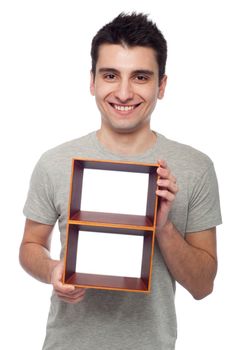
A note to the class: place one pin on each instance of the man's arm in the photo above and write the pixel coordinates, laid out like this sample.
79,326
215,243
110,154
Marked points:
35,258
192,261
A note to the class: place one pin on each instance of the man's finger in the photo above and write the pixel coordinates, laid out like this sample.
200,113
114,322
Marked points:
63,288
168,184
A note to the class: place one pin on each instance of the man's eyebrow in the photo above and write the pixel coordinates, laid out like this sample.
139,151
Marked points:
137,71
107,70
144,71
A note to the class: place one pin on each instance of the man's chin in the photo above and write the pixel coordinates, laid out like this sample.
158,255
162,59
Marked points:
124,129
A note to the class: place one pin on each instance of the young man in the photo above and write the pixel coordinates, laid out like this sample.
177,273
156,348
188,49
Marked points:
127,79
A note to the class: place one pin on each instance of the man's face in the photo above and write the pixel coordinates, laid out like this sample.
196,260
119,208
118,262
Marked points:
126,86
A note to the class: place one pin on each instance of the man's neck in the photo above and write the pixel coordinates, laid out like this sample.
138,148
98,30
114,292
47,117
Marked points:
129,144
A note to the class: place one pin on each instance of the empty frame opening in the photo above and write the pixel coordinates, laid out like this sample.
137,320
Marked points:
114,192
109,254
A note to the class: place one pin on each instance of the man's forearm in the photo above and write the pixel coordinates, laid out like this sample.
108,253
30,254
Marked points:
192,267
36,260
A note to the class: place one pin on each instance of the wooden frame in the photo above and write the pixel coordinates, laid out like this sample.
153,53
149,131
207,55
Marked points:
78,220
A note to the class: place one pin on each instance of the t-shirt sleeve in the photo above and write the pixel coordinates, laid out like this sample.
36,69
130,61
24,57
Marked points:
204,205
39,204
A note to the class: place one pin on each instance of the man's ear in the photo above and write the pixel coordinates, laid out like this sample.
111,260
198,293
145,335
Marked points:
162,86
92,89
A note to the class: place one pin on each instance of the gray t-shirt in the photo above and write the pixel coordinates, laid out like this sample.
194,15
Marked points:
111,319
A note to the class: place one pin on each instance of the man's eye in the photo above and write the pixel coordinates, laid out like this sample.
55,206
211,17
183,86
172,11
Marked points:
109,76
141,78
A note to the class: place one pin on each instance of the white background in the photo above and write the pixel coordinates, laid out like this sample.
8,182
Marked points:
98,194
95,249
45,100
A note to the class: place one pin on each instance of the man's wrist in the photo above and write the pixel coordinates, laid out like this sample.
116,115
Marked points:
52,265
166,230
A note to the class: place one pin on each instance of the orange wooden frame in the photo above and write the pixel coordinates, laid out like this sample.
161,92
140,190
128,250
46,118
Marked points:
143,225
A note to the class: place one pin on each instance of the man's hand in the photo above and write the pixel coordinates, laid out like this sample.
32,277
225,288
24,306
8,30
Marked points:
167,190
65,292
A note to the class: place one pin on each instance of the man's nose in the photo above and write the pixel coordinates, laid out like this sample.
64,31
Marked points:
124,91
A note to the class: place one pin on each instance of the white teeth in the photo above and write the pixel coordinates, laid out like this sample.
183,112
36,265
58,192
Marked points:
124,108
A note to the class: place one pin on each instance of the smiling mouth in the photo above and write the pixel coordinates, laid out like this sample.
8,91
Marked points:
124,107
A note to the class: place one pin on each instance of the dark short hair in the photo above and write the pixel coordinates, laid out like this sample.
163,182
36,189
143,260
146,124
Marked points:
131,30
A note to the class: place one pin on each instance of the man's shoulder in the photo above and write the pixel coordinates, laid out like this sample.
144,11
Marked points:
60,156
70,148
183,154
